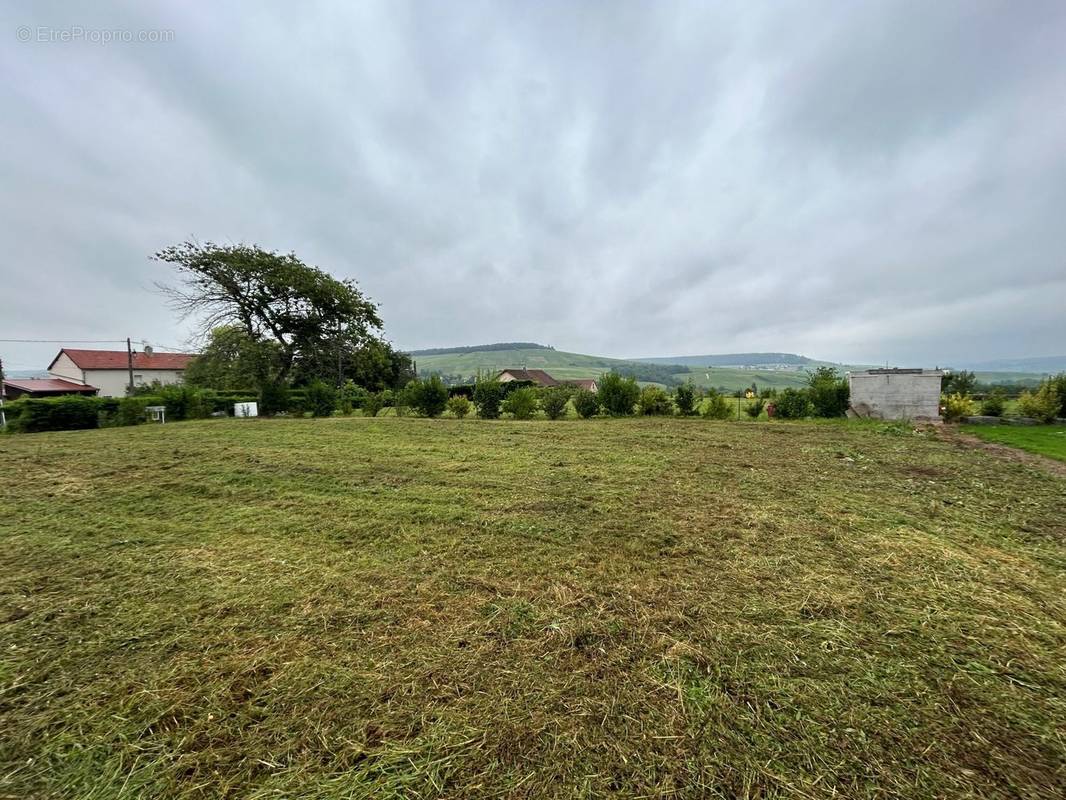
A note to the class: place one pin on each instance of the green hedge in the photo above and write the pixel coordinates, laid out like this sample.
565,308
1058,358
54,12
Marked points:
74,412
67,413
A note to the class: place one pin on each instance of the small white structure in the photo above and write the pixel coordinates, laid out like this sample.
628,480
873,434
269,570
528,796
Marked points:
246,409
156,413
895,393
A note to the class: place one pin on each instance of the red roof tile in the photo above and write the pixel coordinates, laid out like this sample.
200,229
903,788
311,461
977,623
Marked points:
582,383
538,376
49,385
117,359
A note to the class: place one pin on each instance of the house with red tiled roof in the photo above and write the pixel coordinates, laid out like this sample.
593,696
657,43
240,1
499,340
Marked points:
537,376
584,383
109,370
541,378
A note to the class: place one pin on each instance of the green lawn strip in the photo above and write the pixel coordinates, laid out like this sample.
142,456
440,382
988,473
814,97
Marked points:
1044,440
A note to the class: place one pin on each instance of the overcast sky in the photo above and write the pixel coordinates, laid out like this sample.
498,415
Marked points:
862,182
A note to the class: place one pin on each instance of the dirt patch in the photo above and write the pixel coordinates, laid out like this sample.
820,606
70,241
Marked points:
1002,451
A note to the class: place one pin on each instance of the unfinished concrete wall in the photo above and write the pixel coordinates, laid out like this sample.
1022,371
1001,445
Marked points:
896,393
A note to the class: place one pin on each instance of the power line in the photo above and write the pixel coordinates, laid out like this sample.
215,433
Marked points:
86,341
61,341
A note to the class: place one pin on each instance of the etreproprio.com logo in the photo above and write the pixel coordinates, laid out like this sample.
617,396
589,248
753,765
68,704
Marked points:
78,33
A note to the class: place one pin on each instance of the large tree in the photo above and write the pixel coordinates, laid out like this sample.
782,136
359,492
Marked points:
376,365
308,318
231,360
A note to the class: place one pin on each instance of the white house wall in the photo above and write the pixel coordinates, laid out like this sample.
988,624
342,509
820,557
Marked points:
65,368
113,382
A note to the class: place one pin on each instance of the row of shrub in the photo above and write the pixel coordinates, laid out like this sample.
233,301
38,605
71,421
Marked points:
1045,404
75,412
617,395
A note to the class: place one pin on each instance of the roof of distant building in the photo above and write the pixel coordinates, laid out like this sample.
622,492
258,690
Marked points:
37,385
537,376
119,359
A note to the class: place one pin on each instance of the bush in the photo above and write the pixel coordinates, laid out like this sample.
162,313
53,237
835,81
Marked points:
67,413
459,405
374,402
793,404
464,389
754,408
994,404
130,410
618,395
586,404
653,401
352,396
955,406
553,400
513,386
487,397
273,398
962,383
685,398
401,400
522,403
1058,383
828,392
1044,405
182,402
321,399
428,397
716,406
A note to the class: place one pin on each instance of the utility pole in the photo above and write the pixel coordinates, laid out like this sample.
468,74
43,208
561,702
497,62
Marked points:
129,362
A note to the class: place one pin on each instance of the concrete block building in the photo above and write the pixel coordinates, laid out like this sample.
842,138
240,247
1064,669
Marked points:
895,393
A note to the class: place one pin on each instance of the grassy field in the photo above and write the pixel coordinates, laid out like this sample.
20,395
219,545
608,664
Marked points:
1044,440
388,608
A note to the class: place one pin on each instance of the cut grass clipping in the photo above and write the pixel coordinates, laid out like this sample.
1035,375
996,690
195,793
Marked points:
638,608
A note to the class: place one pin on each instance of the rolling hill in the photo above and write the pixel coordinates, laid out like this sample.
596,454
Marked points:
749,360
460,364
1042,365
728,371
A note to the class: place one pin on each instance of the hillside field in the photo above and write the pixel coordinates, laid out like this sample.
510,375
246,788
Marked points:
402,607
565,366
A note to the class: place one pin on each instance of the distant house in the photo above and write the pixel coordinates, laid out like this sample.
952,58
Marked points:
895,393
44,387
541,378
108,370
584,383
538,376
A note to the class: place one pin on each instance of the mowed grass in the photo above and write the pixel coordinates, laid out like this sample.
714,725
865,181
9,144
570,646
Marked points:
633,608
1044,440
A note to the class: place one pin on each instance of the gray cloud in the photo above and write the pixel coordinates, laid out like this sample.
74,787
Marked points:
875,181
